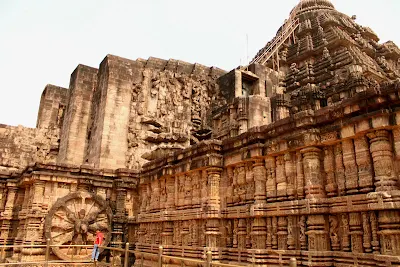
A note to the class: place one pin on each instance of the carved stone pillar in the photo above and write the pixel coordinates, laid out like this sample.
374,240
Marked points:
317,234
363,159
366,232
302,233
312,173
259,233
345,232
212,223
38,189
11,197
185,233
241,233
230,185
188,191
235,237
329,167
274,233
281,183
155,194
334,232
291,238
356,232
389,233
167,234
170,187
349,162
269,233
396,143
339,168
260,181
271,178
300,175
214,178
374,232
290,172
282,233
382,156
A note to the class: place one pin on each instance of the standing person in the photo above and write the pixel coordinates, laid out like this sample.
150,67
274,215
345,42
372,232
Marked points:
97,242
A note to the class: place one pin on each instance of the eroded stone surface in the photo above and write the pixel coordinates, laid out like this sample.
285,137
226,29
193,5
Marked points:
264,163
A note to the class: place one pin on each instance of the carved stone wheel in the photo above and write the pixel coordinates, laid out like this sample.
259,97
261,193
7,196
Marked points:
73,220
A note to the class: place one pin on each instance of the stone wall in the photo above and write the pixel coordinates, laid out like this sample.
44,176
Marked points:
141,108
310,187
74,132
20,146
52,106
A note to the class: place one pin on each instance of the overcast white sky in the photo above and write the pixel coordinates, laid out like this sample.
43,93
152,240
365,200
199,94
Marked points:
42,41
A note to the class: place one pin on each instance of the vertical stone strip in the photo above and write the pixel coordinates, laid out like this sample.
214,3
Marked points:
300,176
349,161
365,177
281,183
345,232
282,233
382,156
259,233
290,172
329,167
339,167
374,232
259,173
314,184
271,178
212,224
356,232
74,132
170,187
269,233
366,232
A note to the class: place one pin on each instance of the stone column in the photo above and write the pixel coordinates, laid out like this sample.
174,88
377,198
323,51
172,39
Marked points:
329,167
291,242
259,173
356,232
345,232
282,233
339,169
259,233
382,156
214,178
366,232
312,173
318,239
389,233
170,186
300,175
11,197
7,214
349,161
281,183
316,228
396,143
363,159
269,233
271,178
290,172
38,191
212,223
374,232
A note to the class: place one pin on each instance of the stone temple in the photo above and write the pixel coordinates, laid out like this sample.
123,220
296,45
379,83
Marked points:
295,155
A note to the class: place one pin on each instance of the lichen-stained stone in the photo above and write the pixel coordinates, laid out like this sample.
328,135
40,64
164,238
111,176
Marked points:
294,157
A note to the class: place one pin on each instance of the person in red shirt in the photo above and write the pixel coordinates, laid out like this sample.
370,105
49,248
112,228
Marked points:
97,242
